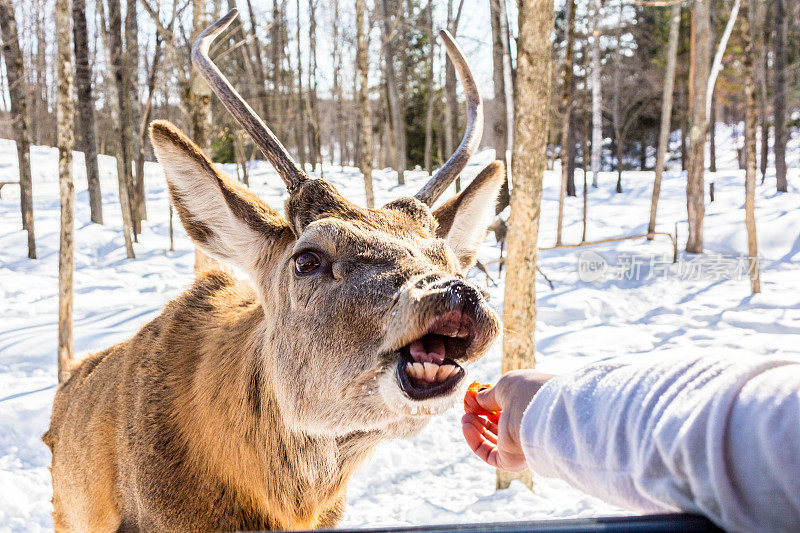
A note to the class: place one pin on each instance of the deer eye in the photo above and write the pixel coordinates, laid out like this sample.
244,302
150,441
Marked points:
306,263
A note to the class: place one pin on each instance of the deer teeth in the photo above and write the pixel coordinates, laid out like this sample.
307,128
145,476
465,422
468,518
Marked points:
430,371
419,371
444,372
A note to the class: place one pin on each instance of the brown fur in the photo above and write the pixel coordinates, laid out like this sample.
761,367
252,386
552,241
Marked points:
249,405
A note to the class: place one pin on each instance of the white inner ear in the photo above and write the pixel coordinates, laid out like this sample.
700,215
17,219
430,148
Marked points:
233,241
470,223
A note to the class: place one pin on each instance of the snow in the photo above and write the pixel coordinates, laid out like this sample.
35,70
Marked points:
700,305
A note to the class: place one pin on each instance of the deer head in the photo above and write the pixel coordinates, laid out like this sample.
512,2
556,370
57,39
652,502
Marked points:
369,318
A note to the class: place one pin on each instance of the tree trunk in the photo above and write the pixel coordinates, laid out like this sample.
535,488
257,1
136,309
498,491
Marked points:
428,159
313,100
19,115
395,105
779,102
501,123
85,108
751,122
712,136
666,114
618,119
301,110
152,78
199,104
66,144
529,161
763,72
451,98
136,188
697,133
597,96
362,65
712,112
566,112
338,116
123,116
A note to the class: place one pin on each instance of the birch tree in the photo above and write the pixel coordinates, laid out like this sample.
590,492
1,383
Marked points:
566,109
136,189
779,102
362,66
698,125
751,123
501,124
15,73
118,88
597,95
199,99
534,70
85,109
451,102
666,113
301,110
66,143
428,156
395,105
763,74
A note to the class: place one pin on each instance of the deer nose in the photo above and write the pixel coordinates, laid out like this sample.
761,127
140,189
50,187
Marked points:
460,295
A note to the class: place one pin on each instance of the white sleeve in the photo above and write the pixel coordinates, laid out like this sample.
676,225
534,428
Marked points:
718,436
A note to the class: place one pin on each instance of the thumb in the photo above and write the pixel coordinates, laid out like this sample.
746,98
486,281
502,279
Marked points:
488,400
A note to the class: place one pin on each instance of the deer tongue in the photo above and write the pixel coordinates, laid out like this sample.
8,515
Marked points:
428,349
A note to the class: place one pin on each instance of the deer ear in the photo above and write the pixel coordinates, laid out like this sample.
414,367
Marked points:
225,219
463,219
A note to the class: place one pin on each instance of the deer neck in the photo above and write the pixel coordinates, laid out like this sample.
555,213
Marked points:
234,428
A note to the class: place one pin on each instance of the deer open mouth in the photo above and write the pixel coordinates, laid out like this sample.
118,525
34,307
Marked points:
428,366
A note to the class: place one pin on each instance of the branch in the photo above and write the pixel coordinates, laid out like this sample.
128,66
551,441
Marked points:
716,67
165,32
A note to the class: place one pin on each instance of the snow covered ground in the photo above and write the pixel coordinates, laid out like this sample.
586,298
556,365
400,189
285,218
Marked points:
635,303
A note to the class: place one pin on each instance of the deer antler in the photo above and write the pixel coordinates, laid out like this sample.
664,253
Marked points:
472,136
288,169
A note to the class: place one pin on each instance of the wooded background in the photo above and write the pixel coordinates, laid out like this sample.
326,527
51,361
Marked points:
379,93
599,85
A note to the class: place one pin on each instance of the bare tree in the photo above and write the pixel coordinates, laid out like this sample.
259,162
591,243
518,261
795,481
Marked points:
698,122
122,116
301,108
597,95
85,109
428,158
779,102
336,60
398,115
136,184
451,99
501,123
666,114
313,99
751,122
66,143
534,71
763,73
566,110
199,100
362,66
15,73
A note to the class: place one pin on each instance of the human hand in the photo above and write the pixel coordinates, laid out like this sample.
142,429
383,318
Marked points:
498,442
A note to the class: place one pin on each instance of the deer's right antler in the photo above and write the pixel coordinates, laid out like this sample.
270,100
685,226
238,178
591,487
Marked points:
287,168
472,135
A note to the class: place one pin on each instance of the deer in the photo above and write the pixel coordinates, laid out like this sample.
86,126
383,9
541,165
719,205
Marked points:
249,403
